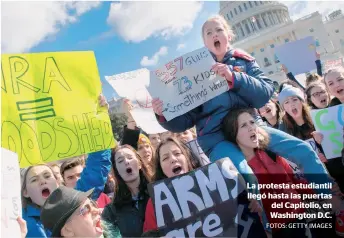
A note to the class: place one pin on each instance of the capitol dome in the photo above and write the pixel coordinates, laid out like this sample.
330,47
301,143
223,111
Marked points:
252,17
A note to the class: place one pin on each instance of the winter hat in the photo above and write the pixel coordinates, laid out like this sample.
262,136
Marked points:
59,206
143,140
289,91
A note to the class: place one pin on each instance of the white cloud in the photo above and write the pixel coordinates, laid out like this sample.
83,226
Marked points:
145,61
298,9
26,24
180,46
137,21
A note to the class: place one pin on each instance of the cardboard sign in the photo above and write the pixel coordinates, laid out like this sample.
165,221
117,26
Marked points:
186,82
11,206
330,122
132,85
50,107
198,152
298,56
208,202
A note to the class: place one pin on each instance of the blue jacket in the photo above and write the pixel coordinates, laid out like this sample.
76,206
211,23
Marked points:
34,225
251,89
94,175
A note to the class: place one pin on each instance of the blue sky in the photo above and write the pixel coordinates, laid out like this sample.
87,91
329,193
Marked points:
124,36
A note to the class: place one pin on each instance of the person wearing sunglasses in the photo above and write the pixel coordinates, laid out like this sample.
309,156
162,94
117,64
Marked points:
71,213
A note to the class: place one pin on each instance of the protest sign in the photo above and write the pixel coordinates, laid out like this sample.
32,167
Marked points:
50,107
186,82
313,144
208,202
330,122
198,152
298,56
11,206
132,85
333,64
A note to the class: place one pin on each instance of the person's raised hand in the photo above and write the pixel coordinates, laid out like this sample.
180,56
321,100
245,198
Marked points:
318,136
284,69
23,227
223,71
157,106
102,101
317,55
254,206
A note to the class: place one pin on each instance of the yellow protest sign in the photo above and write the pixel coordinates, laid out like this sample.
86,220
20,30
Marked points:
50,106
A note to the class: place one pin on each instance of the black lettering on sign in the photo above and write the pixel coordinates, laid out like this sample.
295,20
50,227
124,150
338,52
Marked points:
203,203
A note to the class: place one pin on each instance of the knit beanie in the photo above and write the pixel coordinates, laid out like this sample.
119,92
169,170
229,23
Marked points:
289,91
143,140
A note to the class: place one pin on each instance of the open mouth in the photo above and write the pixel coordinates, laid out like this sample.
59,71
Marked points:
177,170
129,170
294,111
253,137
45,193
217,44
340,91
99,227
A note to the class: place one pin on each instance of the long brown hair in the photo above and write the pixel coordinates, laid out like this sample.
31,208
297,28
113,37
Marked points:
26,200
279,112
193,163
230,127
293,129
122,194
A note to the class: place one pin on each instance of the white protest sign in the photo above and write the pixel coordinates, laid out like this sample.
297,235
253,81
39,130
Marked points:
11,206
330,122
132,85
313,144
186,82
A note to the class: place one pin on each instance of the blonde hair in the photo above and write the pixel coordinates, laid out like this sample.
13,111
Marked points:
339,70
223,22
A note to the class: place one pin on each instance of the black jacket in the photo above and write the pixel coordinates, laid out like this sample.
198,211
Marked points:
131,137
127,218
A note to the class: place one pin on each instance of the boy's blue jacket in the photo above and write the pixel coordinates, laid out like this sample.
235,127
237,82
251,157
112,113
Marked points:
251,89
94,175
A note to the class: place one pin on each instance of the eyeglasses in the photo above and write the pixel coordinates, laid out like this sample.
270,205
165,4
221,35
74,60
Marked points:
85,209
317,94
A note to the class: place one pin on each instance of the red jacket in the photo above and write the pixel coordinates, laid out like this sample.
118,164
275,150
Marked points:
150,219
269,171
